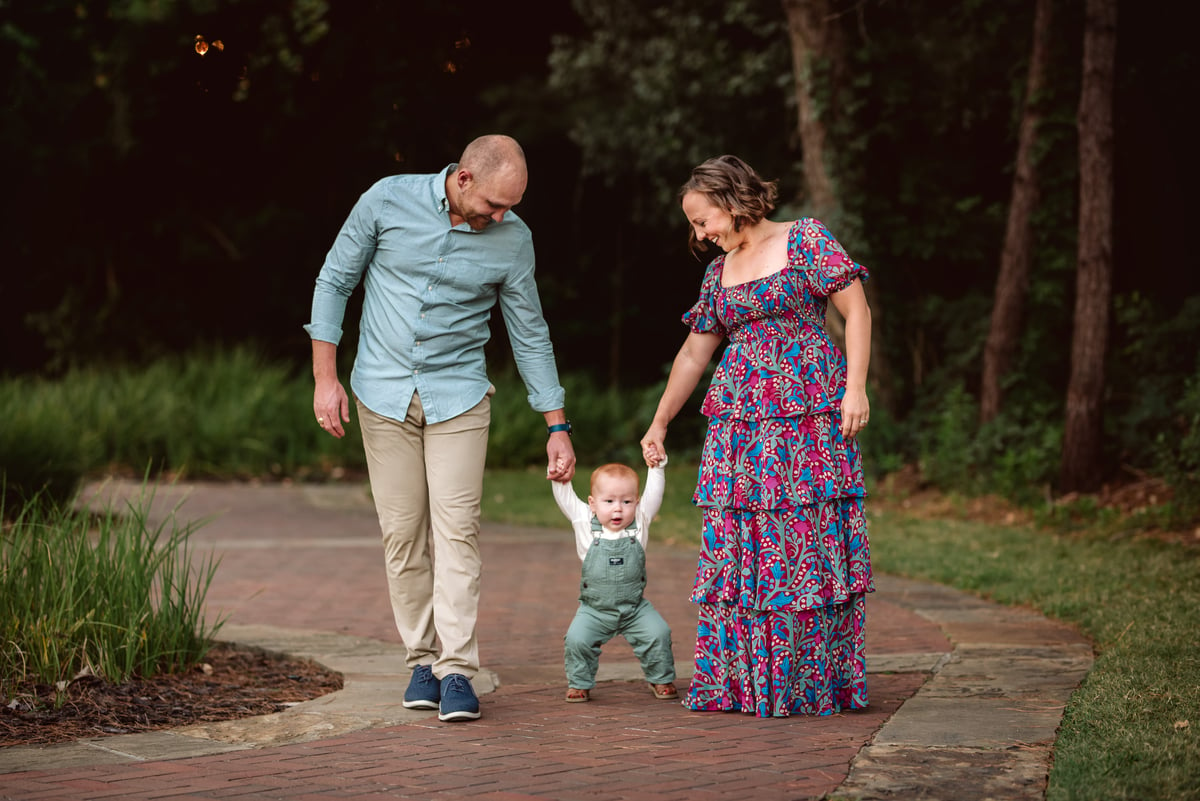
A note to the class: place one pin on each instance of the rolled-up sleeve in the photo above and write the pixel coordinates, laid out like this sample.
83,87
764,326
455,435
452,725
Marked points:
345,263
530,335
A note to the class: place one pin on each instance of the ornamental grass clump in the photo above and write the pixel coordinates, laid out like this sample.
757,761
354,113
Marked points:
113,595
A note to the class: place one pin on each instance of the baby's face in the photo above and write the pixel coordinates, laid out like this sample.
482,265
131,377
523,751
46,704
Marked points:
614,502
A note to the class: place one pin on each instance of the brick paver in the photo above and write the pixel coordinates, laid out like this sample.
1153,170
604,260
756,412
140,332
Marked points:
289,563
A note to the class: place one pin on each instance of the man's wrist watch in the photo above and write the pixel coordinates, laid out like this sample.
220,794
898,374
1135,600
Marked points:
554,429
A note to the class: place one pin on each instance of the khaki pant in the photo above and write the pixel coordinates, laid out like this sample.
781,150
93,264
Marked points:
427,480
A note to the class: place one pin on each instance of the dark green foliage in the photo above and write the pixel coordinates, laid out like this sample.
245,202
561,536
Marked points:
38,468
1177,451
945,443
885,446
164,199
43,453
228,414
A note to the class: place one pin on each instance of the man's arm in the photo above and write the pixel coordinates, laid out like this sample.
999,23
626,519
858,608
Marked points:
352,250
331,405
534,356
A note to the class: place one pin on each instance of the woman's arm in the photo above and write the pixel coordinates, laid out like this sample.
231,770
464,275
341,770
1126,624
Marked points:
851,303
686,372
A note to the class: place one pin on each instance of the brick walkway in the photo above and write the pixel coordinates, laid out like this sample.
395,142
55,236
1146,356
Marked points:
308,558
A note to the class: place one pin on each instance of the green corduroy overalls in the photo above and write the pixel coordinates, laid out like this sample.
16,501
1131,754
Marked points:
611,603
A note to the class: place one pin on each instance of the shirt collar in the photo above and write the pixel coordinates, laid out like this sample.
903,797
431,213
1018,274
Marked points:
439,190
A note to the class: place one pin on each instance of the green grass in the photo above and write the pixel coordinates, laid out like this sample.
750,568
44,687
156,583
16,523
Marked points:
109,594
1132,730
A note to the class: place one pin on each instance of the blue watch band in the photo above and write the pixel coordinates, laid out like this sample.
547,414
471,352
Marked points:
559,427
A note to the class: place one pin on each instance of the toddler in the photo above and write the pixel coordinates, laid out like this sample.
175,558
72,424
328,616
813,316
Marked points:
610,538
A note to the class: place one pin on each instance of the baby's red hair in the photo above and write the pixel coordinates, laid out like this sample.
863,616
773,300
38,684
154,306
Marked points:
614,470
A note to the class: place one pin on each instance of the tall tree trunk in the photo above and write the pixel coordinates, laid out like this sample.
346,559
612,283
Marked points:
1081,468
815,36
1012,281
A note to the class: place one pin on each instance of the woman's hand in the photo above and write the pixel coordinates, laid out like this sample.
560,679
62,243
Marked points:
653,450
856,412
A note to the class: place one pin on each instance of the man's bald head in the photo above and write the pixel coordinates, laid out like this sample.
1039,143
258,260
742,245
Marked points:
489,155
490,179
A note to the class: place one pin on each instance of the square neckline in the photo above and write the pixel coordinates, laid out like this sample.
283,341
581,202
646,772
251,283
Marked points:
787,264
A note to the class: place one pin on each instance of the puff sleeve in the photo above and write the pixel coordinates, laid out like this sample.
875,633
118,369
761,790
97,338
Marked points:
829,268
702,318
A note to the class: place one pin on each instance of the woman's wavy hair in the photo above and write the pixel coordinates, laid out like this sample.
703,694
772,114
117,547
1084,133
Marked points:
733,186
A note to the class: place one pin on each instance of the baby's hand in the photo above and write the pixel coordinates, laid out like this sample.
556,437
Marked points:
559,465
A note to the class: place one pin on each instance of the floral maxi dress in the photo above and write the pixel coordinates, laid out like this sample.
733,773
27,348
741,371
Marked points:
784,560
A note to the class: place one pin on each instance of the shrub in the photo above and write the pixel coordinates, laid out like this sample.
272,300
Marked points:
110,595
45,454
1178,452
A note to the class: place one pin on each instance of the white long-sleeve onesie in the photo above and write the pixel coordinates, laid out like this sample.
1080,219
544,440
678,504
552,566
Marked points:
580,515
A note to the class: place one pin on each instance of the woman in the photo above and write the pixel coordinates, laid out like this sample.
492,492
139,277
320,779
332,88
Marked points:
784,561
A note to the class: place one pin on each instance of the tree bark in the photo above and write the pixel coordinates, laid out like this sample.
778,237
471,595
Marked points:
1012,281
816,38
1081,468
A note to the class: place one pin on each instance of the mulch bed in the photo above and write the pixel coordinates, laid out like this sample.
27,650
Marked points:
232,683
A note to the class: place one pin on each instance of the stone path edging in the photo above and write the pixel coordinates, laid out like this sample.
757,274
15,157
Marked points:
988,716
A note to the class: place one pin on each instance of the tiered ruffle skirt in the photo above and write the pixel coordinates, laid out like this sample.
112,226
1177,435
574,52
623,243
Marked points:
783,570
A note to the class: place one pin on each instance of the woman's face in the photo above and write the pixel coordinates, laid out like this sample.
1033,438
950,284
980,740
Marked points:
710,223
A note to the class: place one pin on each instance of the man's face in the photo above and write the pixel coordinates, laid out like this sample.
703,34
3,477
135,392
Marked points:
480,203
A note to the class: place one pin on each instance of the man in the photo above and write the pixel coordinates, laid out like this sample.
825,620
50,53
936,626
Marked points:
435,254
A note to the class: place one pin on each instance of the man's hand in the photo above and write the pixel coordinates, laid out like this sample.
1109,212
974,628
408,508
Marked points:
331,406
560,461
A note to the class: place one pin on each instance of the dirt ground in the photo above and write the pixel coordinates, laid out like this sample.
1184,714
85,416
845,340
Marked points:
230,684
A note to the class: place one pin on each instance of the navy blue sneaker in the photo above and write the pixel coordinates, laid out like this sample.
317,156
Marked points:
458,699
423,691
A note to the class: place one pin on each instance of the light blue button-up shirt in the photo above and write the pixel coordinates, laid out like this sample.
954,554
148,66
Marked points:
429,289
